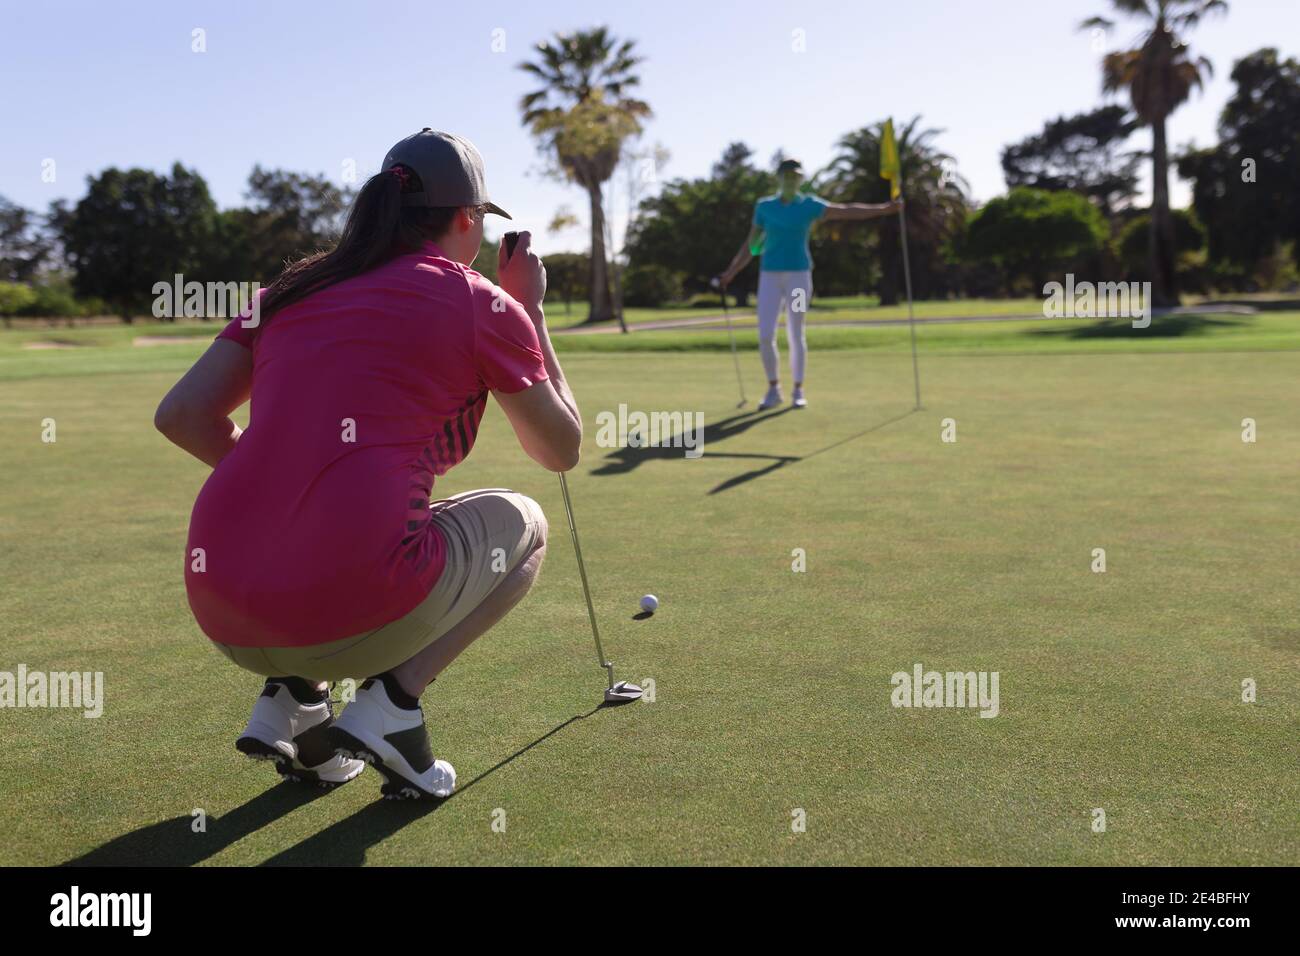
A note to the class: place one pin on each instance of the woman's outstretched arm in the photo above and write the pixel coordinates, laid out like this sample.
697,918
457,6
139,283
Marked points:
849,211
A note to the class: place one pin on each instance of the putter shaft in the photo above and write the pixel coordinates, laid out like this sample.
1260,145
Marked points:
726,314
586,588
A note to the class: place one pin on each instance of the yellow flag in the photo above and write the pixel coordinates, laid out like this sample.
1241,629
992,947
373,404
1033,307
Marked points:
889,160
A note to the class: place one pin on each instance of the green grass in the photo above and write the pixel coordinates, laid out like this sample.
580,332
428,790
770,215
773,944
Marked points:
108,349
822,309
1118,690
1278,331
560,319
868,307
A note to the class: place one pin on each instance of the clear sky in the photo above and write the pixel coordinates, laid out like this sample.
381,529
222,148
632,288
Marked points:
309,85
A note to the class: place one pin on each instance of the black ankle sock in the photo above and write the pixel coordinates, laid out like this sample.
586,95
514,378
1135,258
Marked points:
396,693
304,691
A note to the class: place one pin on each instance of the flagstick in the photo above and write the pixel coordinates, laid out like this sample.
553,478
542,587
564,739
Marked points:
911,318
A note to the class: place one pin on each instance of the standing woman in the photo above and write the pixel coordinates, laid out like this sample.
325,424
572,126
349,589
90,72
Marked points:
314,553
780,235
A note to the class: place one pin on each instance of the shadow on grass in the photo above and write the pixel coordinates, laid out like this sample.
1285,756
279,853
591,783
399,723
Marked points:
626,459
172,843
1165,326
780,461
1259,305
345,843
866,431
623,460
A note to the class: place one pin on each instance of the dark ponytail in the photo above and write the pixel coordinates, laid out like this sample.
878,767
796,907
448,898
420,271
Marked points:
379,228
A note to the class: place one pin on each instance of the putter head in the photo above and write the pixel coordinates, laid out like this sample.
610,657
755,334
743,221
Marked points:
623,693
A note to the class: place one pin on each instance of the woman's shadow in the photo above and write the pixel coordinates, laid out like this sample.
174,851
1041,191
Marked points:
175,842
625,459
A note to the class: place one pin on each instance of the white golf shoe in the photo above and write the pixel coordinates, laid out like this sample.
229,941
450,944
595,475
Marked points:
292,734
771,399
797,400
395,742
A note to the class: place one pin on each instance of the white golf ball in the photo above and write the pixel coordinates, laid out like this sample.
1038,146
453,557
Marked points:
650,603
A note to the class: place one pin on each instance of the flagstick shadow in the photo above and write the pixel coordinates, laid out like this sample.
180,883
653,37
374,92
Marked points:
865,431
780,461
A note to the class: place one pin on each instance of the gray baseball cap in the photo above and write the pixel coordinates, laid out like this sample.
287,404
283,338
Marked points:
449,167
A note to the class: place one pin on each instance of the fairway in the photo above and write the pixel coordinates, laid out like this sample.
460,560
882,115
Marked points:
1119,691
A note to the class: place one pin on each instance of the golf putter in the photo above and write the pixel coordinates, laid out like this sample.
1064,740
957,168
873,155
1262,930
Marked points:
615,693
726,313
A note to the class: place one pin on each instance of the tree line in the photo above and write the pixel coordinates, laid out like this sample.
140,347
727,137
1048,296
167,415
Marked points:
1070,204
135,227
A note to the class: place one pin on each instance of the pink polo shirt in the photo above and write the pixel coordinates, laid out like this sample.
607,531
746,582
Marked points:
316,526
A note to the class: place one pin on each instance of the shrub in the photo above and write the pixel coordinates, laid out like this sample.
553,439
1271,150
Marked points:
54,301
14,297
651,286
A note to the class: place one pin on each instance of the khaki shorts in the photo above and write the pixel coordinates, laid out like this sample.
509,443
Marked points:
489,533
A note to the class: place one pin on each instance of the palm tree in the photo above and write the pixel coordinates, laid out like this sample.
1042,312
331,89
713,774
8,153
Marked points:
936,199
583,113
1159,73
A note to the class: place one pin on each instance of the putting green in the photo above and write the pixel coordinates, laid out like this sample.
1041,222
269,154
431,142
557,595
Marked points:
1120,691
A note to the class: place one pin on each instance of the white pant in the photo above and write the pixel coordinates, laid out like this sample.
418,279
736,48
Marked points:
791,291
